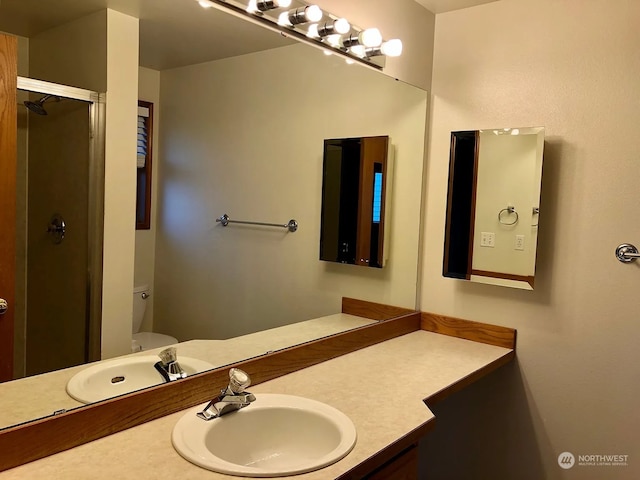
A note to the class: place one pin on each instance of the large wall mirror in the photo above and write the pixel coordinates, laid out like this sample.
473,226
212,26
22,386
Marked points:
242,115
493,208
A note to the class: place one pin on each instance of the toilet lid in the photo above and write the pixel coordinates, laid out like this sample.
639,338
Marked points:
149,340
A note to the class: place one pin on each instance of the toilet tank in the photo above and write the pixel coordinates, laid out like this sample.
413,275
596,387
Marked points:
140,295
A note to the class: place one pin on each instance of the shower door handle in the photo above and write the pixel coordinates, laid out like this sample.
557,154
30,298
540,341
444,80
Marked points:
57,228
4,306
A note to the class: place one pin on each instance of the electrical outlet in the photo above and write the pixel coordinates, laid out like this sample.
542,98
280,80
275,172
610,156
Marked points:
488,239
519,242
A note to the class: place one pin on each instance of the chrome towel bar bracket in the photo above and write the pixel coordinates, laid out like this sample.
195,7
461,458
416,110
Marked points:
627,253
225,220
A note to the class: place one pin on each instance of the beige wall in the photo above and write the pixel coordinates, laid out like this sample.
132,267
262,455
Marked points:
244,136
149,90
120,183
72,54
573,67
404,19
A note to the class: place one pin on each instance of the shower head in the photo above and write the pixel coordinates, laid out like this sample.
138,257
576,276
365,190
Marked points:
38,107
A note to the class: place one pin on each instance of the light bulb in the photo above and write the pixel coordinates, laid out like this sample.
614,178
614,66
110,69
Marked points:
392,48
205,4
515,131
342,26
258,6
312,31
313,13
333,40
252,7
371,37
349,61
359,51
283,19
327,52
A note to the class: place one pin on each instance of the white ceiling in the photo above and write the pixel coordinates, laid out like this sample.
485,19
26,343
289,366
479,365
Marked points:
441,6
173,33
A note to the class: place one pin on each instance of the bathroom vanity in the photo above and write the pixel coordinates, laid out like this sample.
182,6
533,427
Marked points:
370,373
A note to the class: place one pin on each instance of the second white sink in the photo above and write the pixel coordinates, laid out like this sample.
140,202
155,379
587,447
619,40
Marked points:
123,375
276,435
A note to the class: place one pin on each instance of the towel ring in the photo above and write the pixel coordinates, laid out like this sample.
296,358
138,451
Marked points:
510,210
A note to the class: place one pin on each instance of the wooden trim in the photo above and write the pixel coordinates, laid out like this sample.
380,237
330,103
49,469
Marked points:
447,230
468,380
469,330
371,310
8,154
38,439
403,466
145,223
505,276
474,193
389,453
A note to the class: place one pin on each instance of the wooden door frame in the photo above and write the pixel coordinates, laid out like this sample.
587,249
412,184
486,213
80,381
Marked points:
8,155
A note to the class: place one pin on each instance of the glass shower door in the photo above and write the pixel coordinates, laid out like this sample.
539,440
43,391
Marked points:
55,221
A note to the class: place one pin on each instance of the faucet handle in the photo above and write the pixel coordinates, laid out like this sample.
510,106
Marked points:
238,380
168,355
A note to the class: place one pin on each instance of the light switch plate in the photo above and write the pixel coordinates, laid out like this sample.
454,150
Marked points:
487,239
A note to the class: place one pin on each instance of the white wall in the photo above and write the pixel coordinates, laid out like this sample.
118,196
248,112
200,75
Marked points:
573,67
244,136
149,90
120,183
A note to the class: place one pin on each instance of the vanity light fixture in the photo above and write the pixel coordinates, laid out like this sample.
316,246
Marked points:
371,37
260,6
390,48
297,16
332,27
310,24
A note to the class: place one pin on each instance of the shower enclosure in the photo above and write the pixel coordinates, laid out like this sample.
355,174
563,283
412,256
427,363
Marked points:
59,211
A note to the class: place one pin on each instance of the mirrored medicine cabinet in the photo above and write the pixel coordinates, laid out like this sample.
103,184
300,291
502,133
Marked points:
493,211
355,192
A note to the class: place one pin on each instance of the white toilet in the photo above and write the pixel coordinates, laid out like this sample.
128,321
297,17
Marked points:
145,340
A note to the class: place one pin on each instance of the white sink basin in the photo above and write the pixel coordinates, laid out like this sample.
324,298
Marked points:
275,436
124,375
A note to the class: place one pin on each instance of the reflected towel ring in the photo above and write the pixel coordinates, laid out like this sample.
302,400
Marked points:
510,210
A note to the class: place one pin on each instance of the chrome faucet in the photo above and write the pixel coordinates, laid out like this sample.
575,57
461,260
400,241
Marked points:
168,365
231,398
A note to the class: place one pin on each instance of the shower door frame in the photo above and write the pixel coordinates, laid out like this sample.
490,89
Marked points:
96,157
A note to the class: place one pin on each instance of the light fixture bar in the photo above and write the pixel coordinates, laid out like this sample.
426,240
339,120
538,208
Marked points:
299,23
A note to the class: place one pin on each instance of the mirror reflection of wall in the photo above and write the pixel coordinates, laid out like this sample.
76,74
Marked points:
493,206
244,136
355,187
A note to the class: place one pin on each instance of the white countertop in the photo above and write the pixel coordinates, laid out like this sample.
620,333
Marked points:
381,388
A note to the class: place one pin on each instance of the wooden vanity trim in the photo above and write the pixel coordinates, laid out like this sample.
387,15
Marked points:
371,310
469,330
25,443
